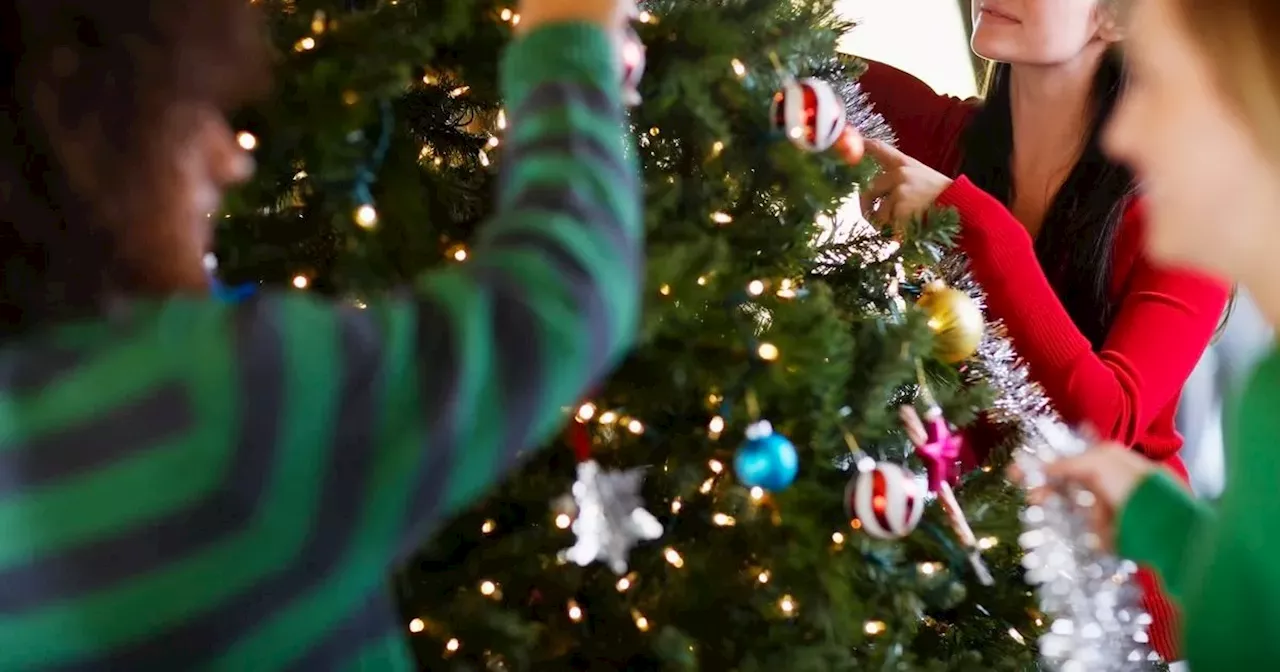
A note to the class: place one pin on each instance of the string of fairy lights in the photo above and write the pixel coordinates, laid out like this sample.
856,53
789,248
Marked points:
366,216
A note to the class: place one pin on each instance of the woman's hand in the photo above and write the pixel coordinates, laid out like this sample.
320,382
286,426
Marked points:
611,14
906,188
1110,471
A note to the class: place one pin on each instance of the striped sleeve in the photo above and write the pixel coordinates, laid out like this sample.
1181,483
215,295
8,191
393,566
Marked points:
438,390
550,299
454,379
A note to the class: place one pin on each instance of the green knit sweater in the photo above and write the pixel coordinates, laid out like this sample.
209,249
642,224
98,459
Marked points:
1218,563
191,485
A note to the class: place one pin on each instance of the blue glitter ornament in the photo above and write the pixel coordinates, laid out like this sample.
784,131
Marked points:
766,460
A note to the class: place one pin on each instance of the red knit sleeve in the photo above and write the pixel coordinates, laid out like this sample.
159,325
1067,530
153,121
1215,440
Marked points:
927,124
1164,321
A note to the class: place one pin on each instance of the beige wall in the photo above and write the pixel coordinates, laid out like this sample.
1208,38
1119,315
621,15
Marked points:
924,37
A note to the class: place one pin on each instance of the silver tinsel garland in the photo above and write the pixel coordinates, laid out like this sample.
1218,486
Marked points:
861,114
1096,623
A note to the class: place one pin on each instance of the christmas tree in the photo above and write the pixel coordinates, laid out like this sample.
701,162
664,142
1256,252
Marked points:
376,162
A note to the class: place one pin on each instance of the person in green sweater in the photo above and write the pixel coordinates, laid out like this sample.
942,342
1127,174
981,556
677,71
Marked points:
1200,124
190,484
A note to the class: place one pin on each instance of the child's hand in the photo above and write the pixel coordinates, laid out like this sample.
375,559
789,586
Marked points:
611,14
1110,471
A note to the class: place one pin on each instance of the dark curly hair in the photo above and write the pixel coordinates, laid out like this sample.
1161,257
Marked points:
91,92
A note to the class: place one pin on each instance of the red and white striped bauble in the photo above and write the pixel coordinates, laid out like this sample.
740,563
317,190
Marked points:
887,499
633,61
810,113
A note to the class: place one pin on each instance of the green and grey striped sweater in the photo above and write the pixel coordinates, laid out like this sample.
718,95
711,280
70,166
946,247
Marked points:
204,486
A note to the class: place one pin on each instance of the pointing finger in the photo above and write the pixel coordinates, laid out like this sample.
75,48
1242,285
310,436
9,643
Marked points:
886,156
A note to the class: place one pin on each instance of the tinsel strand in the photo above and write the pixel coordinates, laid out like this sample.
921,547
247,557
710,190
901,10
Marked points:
1097,622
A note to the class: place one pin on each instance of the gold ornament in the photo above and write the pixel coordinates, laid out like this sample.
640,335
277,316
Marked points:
955,319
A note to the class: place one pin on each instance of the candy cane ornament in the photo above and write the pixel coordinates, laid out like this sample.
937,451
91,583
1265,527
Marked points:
939,448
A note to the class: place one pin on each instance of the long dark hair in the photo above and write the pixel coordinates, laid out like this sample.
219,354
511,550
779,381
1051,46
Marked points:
1075,241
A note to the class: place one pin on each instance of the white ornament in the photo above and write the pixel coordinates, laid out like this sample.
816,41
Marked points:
810,113
611,517
887,499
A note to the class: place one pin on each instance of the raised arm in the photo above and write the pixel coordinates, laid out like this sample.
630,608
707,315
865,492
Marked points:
439,389
478,365
1162,326
926,123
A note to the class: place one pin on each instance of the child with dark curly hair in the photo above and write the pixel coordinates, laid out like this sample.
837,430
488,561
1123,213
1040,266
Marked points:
188,484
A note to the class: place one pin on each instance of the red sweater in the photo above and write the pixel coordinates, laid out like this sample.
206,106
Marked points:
1128,390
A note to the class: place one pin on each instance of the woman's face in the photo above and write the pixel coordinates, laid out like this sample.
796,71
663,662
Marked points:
1211,194
1036,32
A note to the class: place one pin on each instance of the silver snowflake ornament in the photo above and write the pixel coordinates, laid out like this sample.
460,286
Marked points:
611,516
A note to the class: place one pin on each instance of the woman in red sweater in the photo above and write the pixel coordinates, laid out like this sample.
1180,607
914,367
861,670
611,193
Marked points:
1052,228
